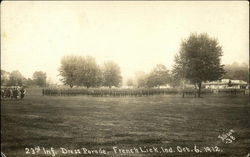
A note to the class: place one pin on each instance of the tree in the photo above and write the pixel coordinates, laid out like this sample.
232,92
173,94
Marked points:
69,65
4,77
99,77
237,71
158,76
111,74
16,79
88,73
39,78
29,82
174,80
199,60
80,71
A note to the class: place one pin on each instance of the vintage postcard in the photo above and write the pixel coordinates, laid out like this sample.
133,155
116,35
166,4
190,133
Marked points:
125,78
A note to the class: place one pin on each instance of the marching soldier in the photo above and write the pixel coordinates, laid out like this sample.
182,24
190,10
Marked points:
22,91
15,93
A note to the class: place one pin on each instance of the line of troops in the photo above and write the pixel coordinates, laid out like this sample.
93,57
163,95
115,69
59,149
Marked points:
107,92
129,92
13,93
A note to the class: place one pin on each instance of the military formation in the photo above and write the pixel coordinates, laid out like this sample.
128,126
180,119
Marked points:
13,92
99,92
120,92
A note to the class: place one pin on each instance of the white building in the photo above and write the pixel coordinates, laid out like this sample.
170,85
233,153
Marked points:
226,84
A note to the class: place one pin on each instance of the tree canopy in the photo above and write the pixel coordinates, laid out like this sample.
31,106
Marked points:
199,60
237,71
111,74
87,73
80,71
69,65
158,76
16,78
39,78
84,71
4,77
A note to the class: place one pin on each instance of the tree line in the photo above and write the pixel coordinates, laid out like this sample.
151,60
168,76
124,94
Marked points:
236,71
84,71
158,76
15,78
198,61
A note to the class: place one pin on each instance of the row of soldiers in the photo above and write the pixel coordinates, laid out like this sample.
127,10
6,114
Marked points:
107,92
13,93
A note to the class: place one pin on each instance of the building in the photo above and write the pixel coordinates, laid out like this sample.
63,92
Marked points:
226,84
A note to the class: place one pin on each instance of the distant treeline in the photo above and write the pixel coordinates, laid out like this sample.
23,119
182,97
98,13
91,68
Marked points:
197,61
85,72
80,71
158,76
236,71
15,78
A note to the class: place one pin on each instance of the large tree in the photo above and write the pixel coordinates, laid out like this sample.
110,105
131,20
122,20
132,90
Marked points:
88,73
174,80
16,78
80,71
39,78
158,76
111,74
199,60
69,65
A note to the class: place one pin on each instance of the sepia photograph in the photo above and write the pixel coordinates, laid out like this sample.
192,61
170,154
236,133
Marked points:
125,79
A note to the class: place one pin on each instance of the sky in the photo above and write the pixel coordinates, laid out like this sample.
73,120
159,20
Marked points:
137,35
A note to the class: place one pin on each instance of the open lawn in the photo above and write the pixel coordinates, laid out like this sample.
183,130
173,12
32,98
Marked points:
137,123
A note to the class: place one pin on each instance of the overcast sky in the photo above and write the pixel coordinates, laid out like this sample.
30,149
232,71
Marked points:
136,35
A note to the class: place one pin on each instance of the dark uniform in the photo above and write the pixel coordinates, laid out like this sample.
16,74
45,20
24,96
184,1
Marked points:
15,93
22,93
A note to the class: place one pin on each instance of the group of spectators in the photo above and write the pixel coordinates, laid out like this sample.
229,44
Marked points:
13,93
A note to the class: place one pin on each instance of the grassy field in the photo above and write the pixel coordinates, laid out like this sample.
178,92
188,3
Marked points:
124,122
